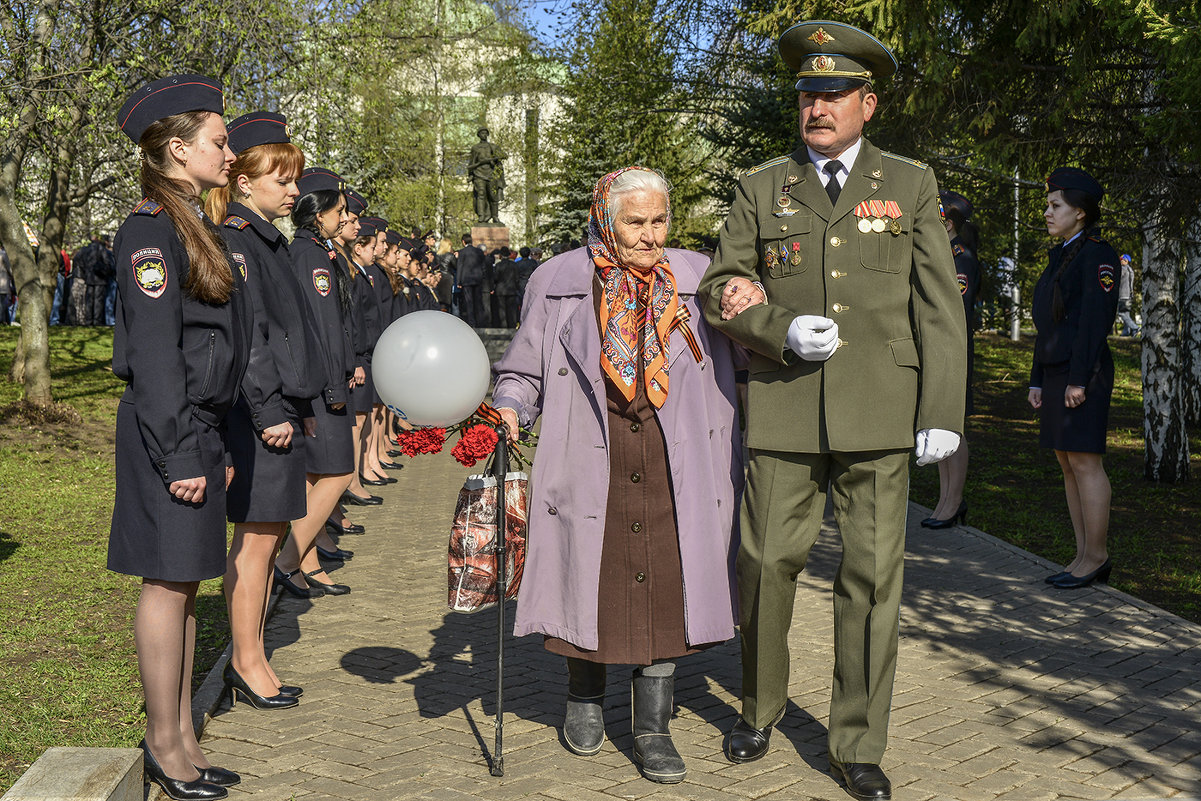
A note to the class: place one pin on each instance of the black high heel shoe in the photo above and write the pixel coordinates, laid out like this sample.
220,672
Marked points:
238,686
328,589
960,516
392,465
1057,576
219,776
292,690
371,482
346,528
1070,582
336,555
282,579
370,500
195,790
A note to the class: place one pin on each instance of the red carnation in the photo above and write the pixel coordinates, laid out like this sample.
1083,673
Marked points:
477,442
421,440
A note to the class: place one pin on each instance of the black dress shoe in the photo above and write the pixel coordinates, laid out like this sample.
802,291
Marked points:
960,516
372,482
336,555
292,690
395,453
392,465
370,500
345,528
328,589
237,686
195,790
864,780
1056,576
926,523
283,581
745,743
1071,582
219,776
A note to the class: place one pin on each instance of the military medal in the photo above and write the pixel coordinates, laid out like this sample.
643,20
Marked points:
895,227
865,225
796,254
878,225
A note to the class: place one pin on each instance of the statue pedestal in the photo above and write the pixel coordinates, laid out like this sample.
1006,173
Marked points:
490,237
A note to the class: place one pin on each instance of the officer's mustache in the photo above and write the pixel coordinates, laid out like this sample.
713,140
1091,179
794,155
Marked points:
820,124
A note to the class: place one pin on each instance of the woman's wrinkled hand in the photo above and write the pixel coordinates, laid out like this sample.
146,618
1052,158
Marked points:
189,490
510,418
277,436
739,295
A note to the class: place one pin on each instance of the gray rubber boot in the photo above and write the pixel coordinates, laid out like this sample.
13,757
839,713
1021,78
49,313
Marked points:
584,723
651,711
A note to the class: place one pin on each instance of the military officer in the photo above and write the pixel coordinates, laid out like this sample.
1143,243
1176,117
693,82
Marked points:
860,344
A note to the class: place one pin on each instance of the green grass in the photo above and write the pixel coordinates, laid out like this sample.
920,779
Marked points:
68,669
1015,488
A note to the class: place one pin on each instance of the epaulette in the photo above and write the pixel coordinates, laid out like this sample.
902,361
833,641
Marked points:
765,165
148,207
917,164
958,250
233,221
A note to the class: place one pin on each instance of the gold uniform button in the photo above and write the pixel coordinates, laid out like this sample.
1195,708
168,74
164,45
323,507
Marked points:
837,307
783,227
841,342
636,528
835,241
635,477
640,577
837,274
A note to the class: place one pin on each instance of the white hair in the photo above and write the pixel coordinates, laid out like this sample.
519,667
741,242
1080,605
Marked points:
638,180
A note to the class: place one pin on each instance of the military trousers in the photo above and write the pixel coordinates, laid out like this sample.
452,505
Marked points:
782,513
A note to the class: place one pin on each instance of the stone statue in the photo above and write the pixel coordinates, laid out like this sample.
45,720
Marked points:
487,177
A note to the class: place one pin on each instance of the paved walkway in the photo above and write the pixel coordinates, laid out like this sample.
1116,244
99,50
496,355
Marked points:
1005,688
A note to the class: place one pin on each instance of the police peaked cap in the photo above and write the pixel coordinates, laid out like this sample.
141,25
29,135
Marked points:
378,223
829,56
160,99
356,204
1075,178
315,179
393,237
367,227
258,128
954,200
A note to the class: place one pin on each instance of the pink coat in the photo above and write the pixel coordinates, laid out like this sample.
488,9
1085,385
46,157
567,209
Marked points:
552,369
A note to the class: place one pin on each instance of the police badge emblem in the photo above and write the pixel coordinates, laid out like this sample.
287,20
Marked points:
150,271
321,281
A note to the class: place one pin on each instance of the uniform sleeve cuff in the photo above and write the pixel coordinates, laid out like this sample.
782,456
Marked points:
180,466
272,414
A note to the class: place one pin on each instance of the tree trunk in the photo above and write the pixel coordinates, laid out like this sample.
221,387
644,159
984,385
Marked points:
1190,329
1166,441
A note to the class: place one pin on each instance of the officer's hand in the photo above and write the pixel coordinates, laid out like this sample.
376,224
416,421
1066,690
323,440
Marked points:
934,445
360,377
189,490
277,436
338,406
812,338
510,418
1073,397
229,475
1035,397
739,295
310,426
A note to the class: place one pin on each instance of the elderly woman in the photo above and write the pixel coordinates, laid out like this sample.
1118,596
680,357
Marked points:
639,470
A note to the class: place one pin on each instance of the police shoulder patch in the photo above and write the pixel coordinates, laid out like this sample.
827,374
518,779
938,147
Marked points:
1105,274
149,271
766,164
958,250
148,207
917,164
961,279
321,281
233,221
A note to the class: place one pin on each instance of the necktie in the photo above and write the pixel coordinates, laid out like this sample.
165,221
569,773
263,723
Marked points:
832,187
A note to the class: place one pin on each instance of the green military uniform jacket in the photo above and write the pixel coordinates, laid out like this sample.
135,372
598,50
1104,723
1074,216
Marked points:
901,361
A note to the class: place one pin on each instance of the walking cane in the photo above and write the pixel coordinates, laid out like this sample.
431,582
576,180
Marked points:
500,467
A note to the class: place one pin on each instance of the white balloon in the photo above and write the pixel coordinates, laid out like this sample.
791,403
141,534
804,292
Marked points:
431,368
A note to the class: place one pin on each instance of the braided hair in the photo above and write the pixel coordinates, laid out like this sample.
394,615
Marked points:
1091,207
304,215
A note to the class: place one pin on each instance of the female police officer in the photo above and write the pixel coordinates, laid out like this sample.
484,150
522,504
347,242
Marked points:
1071,380
181,343
265,439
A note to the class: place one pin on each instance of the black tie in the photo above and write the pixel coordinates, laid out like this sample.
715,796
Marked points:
832,187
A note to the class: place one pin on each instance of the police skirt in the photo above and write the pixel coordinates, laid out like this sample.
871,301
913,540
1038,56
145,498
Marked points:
364,396
1083,428
154,534
268,485
331,451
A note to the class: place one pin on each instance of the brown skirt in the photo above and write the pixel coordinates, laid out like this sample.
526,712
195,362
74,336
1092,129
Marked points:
640,611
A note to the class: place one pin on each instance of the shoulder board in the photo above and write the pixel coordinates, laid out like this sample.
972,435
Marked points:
766,164
958,250
917,164
148,207
1096,239
236,222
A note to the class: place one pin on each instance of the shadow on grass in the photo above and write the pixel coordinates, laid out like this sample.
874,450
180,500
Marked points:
8,545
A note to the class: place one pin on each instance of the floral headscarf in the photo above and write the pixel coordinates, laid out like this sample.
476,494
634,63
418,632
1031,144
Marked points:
626,285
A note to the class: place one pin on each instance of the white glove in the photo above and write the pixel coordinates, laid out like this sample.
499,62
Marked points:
812,338
934,445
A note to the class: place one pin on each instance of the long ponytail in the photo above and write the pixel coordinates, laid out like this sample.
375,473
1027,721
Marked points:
209,276
1092,213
